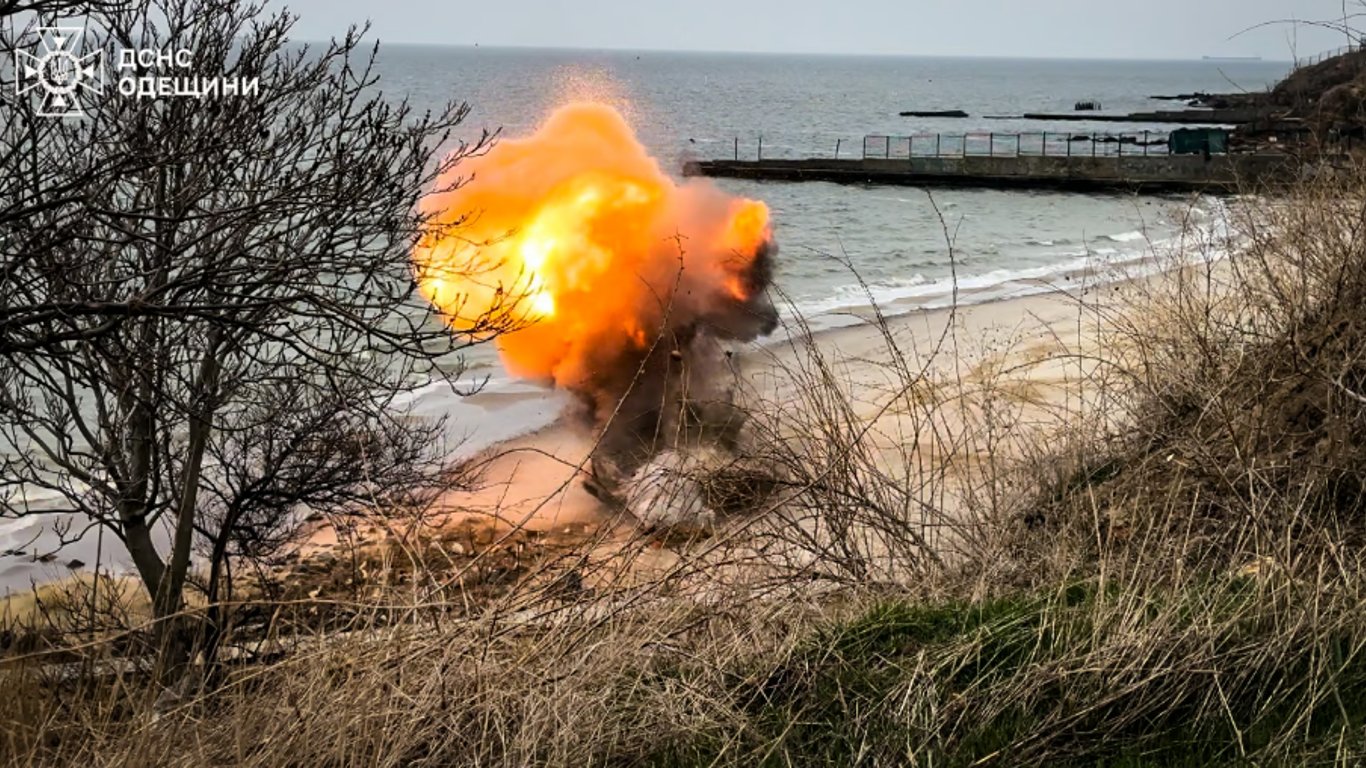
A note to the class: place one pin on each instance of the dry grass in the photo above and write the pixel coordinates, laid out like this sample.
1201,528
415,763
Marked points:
1245,429
1149,554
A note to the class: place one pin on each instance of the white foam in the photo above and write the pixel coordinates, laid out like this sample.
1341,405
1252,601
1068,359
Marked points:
971,289
1126,237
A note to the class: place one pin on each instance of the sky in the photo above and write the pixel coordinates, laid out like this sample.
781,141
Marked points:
1142,29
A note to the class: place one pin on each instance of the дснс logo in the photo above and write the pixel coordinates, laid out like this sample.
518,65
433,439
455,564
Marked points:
59,72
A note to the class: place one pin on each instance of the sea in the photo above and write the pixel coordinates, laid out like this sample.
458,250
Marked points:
908,246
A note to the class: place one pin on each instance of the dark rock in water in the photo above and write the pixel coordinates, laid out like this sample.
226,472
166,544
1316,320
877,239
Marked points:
1080,137
1197,96
939,113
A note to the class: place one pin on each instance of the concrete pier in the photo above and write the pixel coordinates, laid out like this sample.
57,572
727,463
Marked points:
1134,173
1181,116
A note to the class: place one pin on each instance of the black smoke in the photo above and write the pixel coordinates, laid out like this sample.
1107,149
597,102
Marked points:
679,392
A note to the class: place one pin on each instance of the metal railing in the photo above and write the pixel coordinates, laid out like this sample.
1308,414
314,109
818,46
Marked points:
1044,144
1301,63
1080,144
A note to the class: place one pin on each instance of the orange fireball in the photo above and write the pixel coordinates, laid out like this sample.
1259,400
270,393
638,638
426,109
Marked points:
577,238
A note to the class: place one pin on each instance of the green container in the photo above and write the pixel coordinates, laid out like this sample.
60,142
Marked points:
1196,141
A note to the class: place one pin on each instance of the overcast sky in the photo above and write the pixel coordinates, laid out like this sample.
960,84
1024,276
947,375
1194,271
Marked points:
1028,28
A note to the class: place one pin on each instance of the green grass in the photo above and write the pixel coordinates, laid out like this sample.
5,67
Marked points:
1073,677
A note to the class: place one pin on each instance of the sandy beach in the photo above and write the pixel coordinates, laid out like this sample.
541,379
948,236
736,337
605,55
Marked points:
1022,345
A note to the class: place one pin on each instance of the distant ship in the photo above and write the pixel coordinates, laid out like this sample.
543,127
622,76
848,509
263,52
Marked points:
1233,58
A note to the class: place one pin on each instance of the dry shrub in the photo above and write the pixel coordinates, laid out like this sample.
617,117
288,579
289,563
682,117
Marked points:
1244,394
607,684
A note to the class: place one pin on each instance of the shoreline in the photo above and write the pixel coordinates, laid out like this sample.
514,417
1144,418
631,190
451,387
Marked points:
530,478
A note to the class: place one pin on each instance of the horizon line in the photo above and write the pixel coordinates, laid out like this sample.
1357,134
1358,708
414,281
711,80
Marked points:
844,54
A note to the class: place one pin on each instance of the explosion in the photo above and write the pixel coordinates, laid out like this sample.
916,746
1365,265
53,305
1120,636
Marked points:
605,276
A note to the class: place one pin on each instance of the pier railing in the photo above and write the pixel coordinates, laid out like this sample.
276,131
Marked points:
1044,144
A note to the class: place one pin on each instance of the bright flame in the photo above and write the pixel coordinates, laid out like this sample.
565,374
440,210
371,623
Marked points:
577,235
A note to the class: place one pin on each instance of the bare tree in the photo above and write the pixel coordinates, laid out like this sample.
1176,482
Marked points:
214,336
15,7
